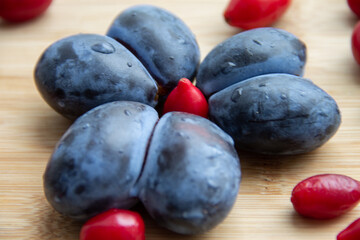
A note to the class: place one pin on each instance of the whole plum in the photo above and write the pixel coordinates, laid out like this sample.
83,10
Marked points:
248,54
192,174
161,41
97,162
276,114
80,72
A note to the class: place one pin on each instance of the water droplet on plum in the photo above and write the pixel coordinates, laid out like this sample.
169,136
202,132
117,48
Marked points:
103,47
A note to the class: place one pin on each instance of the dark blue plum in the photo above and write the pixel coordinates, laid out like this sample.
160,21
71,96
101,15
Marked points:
191,176
249,54
97,162
80,72
276,114
163,43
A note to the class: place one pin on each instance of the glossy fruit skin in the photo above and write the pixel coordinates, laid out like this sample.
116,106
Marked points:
355,42
248,54
22,10
186,98
114,224
248,14
354,6
277,114
325,196
80,72
352,232
192,174
161,41
98,160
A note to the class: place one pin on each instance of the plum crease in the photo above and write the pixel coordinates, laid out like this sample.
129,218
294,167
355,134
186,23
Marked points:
135,188
163,90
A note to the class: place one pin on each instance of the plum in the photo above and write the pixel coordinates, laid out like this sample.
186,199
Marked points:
97,162
192,174
161,41
249,54
276,114
80,72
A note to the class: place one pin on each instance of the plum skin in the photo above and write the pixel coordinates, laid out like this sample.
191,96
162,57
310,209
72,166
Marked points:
192,174
276,114
161,41
248,54
97,162
80,72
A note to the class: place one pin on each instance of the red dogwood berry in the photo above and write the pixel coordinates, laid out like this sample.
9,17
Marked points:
186,98
352,232
248,14
325,196
22,10
114,224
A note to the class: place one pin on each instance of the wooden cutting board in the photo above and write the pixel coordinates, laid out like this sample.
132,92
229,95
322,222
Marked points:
29,128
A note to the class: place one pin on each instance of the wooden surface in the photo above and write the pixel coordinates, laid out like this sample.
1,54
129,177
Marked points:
29,128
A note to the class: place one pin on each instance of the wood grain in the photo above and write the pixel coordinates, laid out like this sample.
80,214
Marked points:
29,129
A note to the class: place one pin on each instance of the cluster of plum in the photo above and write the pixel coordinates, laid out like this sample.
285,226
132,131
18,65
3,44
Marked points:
145,53
257,95
182,167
